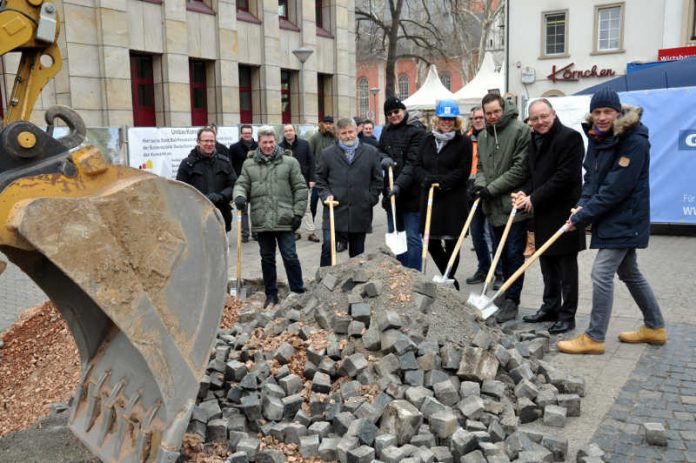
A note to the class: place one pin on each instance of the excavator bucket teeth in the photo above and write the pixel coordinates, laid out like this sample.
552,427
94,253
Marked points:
138,271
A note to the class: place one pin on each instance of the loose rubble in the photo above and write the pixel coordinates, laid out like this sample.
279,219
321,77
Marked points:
349,371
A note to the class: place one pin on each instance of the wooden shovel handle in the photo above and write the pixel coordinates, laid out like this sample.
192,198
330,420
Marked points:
332,203
426,231
239,246
499,249
458,245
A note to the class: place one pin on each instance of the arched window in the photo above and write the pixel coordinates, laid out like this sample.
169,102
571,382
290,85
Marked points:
403,86
446,79
363,97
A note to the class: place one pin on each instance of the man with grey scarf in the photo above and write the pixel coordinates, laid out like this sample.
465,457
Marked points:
348,172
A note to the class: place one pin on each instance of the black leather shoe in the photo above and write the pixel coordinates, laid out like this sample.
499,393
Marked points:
540,316
271,300
341,246
476,278
562,326
498,282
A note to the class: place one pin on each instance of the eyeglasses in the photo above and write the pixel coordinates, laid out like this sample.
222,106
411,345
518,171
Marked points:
393,112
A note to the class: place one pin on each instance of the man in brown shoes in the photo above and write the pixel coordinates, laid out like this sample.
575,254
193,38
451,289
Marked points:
616,201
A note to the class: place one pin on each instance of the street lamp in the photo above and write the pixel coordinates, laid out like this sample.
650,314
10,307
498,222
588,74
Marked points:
302,54
375,91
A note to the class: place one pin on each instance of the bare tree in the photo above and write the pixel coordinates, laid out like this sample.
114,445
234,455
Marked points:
424,30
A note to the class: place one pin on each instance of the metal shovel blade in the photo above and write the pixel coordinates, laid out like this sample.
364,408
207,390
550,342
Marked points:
236,289
443,279
483,304
396,242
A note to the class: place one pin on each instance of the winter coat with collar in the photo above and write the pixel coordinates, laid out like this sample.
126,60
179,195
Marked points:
303,153
275,189
402,142
368,140
616,193
239,152
450,168
355,186
554,185
210,174
502,164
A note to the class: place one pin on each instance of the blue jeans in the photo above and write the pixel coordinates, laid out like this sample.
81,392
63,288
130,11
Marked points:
354,241
267,248
410,223
512,257
624,263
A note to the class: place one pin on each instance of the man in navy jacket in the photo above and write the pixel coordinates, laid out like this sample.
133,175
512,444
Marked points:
616,201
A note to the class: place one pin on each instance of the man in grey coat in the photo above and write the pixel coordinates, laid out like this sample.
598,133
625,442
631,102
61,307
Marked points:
350,173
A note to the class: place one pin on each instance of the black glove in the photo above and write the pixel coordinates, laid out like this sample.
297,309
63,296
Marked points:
296,222
484,193
387,161
215,198
240,203
394,191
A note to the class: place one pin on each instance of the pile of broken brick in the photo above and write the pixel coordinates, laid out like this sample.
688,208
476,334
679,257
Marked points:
349,379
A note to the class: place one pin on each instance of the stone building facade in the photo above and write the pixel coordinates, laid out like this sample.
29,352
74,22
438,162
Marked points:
188,62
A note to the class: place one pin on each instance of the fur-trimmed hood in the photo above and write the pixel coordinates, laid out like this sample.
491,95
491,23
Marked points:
629,119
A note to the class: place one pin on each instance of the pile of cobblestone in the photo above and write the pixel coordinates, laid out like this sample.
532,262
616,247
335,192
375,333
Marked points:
351,371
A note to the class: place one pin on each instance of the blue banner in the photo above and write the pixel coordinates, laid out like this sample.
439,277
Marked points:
670,115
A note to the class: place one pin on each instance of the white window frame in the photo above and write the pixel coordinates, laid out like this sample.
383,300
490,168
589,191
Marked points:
403,78
544,20
595,36
446,76
363,97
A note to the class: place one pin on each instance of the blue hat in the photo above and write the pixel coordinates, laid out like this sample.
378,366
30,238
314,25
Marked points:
327,119
605,98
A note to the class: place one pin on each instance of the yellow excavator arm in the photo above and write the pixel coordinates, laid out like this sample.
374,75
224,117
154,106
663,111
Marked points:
135,263
30,27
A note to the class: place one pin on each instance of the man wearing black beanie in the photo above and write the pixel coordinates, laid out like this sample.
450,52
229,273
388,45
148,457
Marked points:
616,201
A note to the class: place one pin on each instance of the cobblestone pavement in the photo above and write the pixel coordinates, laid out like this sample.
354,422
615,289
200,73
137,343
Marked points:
661,389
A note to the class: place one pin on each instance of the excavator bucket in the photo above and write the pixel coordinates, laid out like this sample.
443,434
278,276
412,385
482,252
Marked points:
136,264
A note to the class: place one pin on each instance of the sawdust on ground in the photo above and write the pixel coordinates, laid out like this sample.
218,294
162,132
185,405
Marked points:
39,366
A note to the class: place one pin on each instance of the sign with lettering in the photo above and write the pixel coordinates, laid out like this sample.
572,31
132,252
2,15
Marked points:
677,53
567,73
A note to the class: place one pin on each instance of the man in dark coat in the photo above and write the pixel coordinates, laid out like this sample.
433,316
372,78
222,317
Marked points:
210,173
238,154
349,172
554,158
399,143
219,147
616,201
303,153
360,122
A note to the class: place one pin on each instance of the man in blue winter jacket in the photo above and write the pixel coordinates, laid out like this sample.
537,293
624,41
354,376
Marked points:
616,201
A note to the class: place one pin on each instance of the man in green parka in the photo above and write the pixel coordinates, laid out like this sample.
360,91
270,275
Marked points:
502,170
272,183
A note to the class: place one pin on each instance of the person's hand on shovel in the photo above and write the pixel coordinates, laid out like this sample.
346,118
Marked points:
328,199
569,224
521,201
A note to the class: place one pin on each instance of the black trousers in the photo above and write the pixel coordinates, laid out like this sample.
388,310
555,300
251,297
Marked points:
560,285
354,241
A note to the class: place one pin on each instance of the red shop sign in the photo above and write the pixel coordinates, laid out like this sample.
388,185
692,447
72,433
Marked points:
673,54
566,73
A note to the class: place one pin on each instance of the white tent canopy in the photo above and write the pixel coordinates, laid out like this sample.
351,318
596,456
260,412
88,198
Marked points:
427,96
485,79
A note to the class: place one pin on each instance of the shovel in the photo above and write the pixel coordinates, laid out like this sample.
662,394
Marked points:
428,216
496,257
486,305
444,278
397,239
331,203
235,288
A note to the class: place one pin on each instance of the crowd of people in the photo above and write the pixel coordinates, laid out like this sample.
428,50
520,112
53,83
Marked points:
526,178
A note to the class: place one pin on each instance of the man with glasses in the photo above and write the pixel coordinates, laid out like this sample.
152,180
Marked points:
555,165
502,170
210,173
238,153
399,144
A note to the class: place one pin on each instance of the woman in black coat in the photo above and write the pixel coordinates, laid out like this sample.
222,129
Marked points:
444,158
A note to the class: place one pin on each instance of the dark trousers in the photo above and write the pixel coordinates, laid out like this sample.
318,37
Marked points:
267,248
560,285
355,241
441,251
245,224
513,255
314,202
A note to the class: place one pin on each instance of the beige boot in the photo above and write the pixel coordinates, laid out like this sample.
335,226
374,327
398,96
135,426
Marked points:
644,334
529,250
582,344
